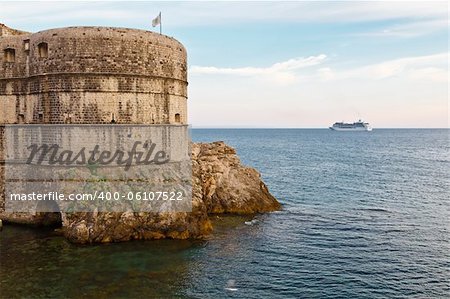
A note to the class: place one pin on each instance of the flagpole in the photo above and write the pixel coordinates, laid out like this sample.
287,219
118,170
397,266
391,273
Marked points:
157,21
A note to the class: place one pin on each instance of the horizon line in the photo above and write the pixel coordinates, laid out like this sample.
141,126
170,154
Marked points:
316,128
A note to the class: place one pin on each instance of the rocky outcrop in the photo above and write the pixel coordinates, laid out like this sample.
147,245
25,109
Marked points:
37,219
116,227
227,186
220,185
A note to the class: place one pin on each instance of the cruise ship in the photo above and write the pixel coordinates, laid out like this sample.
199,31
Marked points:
356,126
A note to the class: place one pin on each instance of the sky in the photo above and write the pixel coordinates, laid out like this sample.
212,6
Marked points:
288,64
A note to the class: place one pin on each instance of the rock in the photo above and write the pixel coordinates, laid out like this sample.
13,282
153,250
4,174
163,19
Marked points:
117,227
227,186
220,185
32,219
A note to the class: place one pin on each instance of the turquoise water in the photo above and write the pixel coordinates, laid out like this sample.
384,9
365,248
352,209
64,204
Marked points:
366,215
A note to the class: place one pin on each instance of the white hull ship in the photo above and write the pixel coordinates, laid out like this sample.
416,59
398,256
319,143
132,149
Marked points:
356,126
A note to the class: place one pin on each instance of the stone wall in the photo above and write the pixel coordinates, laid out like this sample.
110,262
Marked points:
92,75
6,31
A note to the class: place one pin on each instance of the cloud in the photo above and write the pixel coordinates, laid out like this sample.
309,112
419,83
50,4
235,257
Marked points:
429,67
410,29
404,92
281,72
32,15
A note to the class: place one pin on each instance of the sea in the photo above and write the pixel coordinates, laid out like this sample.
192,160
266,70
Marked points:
365,215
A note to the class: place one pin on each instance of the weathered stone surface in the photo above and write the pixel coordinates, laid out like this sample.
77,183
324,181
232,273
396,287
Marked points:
6,31
92,75
227,186
221,185
117,227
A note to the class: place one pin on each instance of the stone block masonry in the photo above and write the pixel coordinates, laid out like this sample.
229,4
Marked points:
92,75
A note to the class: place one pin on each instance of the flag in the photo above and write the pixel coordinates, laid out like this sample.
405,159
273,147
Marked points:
156,21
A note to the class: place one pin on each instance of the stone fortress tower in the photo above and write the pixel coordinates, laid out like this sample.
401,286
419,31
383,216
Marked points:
91,75
102,75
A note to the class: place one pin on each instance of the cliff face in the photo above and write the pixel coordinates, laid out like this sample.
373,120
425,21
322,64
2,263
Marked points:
227,186
117,227
220,185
